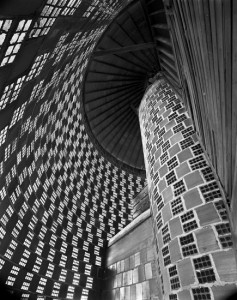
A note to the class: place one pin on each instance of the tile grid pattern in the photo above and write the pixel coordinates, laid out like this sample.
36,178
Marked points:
191,227
134,278
60,200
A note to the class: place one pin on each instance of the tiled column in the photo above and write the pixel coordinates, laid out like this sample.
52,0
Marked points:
195,255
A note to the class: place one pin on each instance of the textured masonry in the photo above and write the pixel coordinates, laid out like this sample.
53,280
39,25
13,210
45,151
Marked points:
195,255
60,200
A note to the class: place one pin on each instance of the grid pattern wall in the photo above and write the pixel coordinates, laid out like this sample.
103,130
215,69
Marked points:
133,277
60,200
190,220
131,272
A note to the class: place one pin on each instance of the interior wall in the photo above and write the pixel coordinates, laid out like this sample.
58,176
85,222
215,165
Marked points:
61,200
192,230
131,268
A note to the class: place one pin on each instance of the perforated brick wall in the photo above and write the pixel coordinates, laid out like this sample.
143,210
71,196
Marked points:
60,200
192,231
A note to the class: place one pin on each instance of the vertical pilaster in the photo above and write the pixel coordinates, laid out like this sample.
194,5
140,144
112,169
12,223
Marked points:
191,226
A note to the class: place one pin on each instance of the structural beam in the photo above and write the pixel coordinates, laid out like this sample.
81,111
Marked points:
131,48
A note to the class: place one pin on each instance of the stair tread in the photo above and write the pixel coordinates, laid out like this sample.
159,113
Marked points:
162,26
159,11
163,40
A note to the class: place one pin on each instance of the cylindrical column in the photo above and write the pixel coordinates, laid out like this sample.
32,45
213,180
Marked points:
195,255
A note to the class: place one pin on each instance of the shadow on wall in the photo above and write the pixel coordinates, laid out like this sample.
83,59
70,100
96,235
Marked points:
107,288
232,296
5,294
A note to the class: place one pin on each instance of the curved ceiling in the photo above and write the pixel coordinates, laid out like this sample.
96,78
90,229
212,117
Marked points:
117,77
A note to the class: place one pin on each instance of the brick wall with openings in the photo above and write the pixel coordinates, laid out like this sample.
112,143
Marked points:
60,199
195,255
